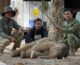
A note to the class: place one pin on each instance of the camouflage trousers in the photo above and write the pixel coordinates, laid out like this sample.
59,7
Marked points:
5,42
73,41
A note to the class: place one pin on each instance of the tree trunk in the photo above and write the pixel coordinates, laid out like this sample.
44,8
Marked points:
50,42
57,8
3,3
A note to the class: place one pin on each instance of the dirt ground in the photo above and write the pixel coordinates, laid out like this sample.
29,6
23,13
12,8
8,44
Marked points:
8,60
71,60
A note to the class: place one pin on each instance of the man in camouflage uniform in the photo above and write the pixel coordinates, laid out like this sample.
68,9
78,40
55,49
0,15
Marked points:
6,26
71,31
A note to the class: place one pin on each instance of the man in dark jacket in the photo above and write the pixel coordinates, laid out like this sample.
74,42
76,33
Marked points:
6,26
37,32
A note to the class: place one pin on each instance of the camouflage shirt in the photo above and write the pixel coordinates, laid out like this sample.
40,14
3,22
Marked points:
72,27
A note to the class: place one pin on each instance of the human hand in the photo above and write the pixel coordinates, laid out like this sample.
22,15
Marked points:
12,39
58,28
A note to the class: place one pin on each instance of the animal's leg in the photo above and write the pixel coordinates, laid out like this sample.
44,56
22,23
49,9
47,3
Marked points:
18,51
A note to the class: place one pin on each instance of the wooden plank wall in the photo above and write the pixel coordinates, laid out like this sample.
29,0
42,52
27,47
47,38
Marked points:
3,3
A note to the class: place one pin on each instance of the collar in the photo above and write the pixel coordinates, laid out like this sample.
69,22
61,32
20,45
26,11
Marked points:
5,19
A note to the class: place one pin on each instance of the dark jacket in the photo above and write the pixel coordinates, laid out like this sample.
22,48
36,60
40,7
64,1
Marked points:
34,34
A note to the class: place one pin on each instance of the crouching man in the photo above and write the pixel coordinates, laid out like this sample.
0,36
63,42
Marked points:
71,31
6,26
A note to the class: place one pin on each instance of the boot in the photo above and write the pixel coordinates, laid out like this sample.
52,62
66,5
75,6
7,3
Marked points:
1,49
3,45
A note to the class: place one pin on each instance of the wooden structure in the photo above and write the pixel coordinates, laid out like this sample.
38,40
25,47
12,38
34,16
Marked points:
3,3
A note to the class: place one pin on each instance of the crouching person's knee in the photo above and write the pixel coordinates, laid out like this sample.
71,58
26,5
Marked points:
70,36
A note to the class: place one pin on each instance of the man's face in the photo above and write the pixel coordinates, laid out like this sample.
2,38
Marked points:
68,15
38,24
8,14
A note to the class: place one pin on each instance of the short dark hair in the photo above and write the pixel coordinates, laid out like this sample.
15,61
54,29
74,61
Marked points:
68,9
37,19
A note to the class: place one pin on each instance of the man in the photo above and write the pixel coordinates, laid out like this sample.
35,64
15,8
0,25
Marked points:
37,32
6,26
71,31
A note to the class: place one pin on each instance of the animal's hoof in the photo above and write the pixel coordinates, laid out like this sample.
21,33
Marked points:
23,54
